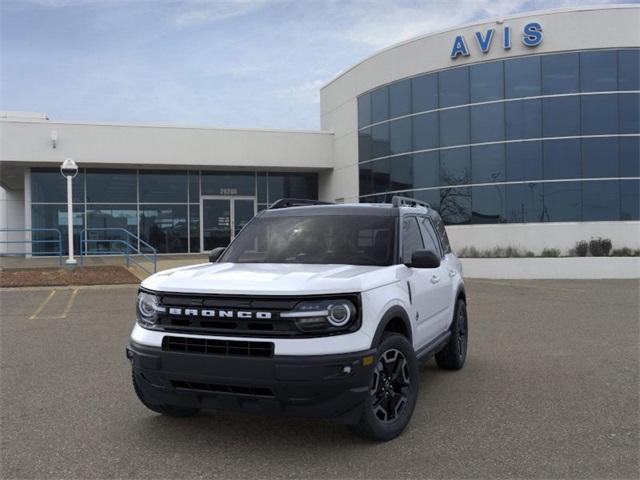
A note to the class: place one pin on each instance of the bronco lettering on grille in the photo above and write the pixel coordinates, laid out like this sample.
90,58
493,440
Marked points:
194,312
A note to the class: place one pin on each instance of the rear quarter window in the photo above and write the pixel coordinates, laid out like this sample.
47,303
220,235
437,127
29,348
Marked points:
442,234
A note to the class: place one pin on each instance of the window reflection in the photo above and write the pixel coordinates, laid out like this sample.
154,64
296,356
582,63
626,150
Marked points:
562,201
165,227
488,204
455,166
455,205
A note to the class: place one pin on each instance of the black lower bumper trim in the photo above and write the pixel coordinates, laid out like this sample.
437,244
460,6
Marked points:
327,386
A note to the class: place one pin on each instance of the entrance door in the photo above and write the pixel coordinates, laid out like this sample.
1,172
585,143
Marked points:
221,218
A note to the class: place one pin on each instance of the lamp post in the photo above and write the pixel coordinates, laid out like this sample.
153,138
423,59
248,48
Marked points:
69,170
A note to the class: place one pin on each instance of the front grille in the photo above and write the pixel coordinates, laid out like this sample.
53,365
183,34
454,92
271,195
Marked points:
229,389
217,347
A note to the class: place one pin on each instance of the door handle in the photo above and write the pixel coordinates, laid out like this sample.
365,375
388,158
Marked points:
452,273
435,279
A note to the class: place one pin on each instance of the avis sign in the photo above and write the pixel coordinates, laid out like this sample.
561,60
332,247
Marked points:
531,37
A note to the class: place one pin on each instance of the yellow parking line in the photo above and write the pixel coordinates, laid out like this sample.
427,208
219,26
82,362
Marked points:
69,303
42,305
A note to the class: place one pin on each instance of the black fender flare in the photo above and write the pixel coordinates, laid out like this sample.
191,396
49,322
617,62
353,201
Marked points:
394,312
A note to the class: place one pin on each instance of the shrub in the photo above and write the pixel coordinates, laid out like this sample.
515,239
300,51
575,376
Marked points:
625,252
600,247
550,252
581,248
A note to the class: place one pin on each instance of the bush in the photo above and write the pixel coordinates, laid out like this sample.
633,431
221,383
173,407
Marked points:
625,252
581,248
550,252
600,247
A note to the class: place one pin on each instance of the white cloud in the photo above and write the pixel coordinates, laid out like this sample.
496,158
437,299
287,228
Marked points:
192,12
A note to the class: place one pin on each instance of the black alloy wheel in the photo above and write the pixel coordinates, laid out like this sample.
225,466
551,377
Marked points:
390,389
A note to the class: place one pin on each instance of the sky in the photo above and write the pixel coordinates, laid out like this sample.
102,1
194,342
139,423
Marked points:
226,63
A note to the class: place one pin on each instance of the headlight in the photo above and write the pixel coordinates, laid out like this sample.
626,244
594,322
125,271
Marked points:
323,315
148,308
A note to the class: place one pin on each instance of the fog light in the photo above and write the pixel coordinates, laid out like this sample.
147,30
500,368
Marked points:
368,360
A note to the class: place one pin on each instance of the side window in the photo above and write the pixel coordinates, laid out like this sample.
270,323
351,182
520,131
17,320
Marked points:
429,236
442,233
411,238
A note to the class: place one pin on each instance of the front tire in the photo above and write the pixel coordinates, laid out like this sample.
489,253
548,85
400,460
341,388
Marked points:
168,410
454,353
393,390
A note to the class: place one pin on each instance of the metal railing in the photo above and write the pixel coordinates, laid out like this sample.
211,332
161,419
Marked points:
31,241
130,247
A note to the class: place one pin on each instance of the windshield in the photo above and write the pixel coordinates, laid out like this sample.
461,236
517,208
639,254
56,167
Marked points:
342,239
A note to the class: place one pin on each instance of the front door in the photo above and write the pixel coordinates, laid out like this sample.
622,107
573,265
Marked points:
221,218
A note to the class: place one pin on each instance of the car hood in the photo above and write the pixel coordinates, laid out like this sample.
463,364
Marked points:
271,279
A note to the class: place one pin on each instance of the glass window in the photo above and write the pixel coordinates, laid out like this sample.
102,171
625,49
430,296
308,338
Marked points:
426,169
400,135
380,105
455,166
562,201
381,174
629,200
424,93
194,228
228,183
366,178
380,140
629,69
523,119
364,144
432,197
364,110
429,236
487,82
402,173
454,127
561,116
522,77
411,238
630,156
261,186
112,186
293,185
629,113
425,131
454,87
560,73
54,216
600,157
455,205
488,204
599,71
600,200
442,233
487,123
524,203
400,98
524,161
163,186
165,227
487,164
599,114
562,159
115,218
48,185
194,186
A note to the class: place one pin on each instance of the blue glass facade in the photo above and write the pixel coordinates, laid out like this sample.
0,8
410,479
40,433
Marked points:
544,138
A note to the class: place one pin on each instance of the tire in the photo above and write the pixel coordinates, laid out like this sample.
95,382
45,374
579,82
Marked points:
393,390
168,410
454,353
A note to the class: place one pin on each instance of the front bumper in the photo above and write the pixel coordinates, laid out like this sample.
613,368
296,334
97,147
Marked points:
327,386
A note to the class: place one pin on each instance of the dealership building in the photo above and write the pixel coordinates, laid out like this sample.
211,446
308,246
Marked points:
521,131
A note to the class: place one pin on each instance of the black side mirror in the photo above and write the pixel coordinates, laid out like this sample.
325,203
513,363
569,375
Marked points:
424,259
216,253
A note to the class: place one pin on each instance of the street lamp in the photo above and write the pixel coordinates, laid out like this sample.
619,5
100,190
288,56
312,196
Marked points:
69,170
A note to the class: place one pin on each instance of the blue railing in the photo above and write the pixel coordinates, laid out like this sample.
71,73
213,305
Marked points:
130,247
57,241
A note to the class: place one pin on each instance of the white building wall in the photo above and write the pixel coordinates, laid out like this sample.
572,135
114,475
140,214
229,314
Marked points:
11,217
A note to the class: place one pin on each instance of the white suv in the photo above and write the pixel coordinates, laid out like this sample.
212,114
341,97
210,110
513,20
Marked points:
313,310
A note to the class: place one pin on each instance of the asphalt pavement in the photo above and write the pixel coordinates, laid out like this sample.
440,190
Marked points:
550,390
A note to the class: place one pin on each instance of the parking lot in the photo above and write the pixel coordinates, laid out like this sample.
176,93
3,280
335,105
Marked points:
550,390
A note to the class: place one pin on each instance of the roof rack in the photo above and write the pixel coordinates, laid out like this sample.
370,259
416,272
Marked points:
295,202
398,201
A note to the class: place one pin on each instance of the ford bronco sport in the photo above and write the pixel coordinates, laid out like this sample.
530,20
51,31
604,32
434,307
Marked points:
314,310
